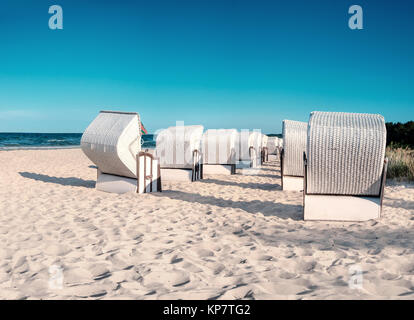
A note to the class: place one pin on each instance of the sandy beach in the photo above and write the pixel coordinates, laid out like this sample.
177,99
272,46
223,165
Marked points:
225,237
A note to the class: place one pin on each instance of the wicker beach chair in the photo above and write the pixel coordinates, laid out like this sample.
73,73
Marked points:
265,150
272,144
113,143
291,155
219,151
256,149
345,166
178,149
248,149
273,148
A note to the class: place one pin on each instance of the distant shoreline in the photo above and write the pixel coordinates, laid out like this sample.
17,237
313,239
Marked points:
52,148
38,148
49,141
11,141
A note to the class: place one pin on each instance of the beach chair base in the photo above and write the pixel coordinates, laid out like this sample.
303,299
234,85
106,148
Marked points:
243,164
148,178
219,169
176,175
265,155
290,183
115,184
148,173
273,158
341,208
257,162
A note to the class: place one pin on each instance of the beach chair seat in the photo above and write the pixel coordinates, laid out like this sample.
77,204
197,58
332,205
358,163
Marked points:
218,152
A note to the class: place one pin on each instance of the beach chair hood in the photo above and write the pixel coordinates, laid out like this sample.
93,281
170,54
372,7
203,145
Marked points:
345,153
294,145
272,144
244,141
175,146
218,146
112,142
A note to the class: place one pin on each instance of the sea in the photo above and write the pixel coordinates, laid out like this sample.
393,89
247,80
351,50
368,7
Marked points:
15,141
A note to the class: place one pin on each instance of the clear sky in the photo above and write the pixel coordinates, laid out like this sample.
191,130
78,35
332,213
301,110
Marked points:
220,63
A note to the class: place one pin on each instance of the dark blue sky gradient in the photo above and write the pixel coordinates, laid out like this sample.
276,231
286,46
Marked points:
242,64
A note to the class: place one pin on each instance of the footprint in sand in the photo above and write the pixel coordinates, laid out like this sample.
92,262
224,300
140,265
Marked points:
99,271
191,268
288,275
173,278
203,253
176,259
262,257
389,276
407,269
57,250
306,267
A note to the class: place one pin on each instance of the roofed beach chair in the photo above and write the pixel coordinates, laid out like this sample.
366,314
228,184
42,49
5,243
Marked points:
265,150
272,144
256,149
219,151
345,166
279,145
273,148
113,143
248,146
291,156
178,149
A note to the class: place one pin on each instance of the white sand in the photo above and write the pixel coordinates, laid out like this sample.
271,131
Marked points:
228,237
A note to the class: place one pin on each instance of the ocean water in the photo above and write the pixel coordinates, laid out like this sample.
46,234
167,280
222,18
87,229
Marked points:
10,141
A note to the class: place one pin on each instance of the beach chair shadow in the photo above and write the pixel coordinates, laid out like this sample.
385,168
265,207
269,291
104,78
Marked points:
399,203
71,181
267,208
260,186
364,239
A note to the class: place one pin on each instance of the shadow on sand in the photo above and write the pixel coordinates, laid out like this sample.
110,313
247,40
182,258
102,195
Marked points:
72,181
260,186
267,208
274,169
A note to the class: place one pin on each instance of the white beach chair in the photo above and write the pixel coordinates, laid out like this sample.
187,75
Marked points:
178,149
345,166
248,149
280,145
256,149
291,156
265,150
113,143
273,149
272,145
219,151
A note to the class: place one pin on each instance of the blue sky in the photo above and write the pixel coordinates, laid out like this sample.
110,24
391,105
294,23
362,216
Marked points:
223,64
